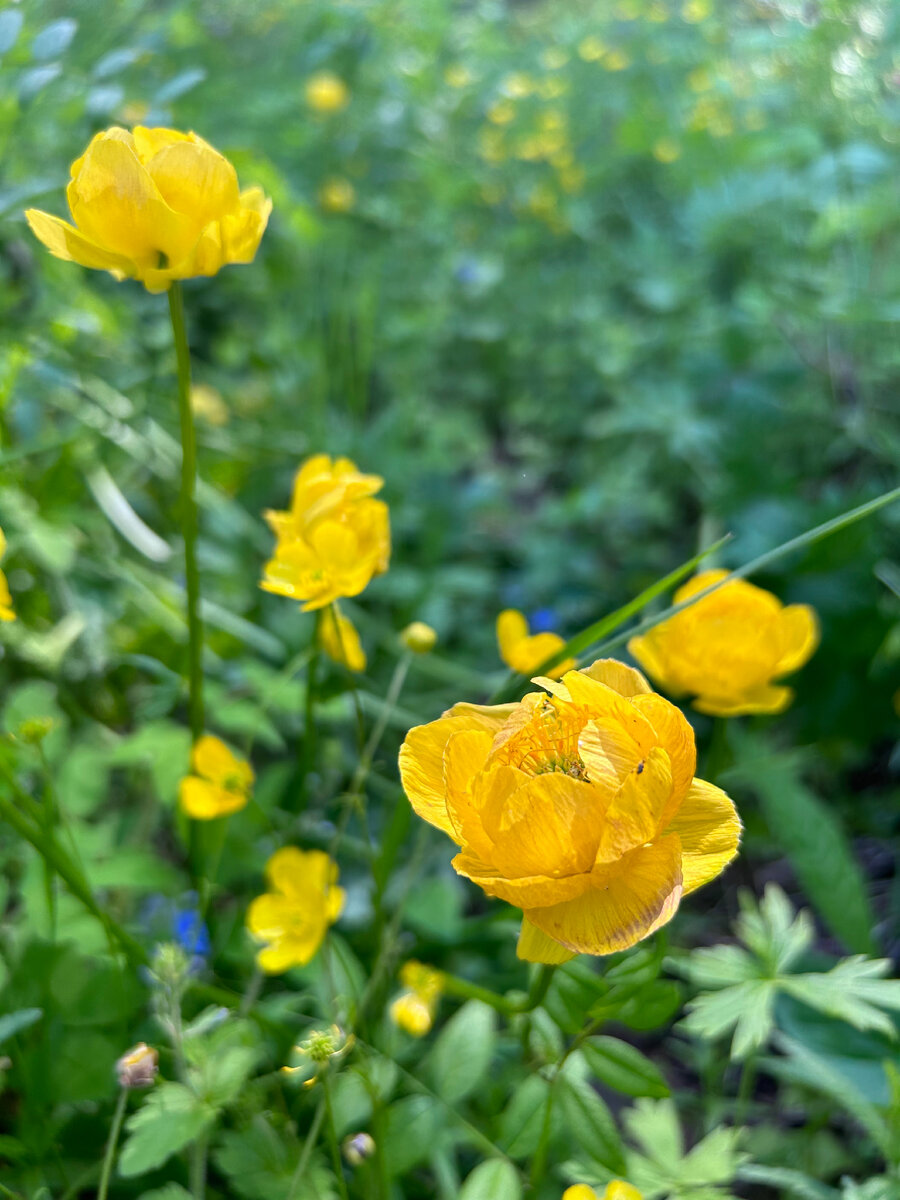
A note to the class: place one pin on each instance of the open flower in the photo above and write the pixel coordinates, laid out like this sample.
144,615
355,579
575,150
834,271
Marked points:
526,652
294,915
728,647
220,782
581,808
334,537
326,92
154,205
340,641
6,608
414,1009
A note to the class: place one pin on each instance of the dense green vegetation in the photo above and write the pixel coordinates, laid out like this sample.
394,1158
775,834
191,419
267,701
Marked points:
590,285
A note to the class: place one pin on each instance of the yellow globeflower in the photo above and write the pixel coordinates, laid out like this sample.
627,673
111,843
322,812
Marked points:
525,652
337,195
414,1009
208,405
333,539
340,641
6,609
326,92
154,205
294,915
616,1189
728,648
220,783
581,808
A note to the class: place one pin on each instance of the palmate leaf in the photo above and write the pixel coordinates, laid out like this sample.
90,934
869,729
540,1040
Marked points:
662,1168
744,983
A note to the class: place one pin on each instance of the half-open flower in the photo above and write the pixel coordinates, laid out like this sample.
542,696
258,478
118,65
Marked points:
579,807
527,652
727,648
219,783
294,915
155,205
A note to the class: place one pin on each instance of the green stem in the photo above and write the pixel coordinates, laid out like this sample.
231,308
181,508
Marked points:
454,986
331,1135
745,1090
198,1168
307,1150
51,852
112,1143
188,505
307,749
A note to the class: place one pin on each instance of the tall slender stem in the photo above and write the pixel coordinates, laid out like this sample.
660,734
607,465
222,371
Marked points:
306,754
188,507
112,1143
331,1135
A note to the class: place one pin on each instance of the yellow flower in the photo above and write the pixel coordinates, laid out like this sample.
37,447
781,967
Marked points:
340,641
616,1189
666,150
293,917
6,609
220,783
337,195
326,92
414,1009
457,76
154,205
517,85
317,1052
554,57
728,648
524,652
419,637
581,808
333,539
502,112
591,48
695,11
208,405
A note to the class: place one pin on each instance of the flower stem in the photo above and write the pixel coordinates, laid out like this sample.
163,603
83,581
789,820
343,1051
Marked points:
305,1153
454,986
188,505
112,1143
331,1135
306,754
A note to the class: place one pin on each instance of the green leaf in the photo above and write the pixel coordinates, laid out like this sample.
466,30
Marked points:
461,1057
654,1125
623,1067
853,991
746,1008
170,1118
259,1163
413,1126
590,1123
786,1179
522,1120
492,1180
13,1023
171,1191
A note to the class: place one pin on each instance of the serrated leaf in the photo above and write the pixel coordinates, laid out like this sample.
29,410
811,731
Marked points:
461,1056
623,1067
746,1008
852,991
654,1125
259,1163
492,1180
170,1118
590,1123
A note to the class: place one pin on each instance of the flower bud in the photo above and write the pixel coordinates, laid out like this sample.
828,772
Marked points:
358,1147
419,637
35,729
137,1068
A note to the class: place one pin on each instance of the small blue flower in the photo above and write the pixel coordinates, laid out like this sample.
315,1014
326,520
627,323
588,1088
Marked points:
190,933
543,620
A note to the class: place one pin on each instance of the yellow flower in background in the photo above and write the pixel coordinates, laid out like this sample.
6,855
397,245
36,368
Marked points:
334,537
616,1189
581,808
326,92
340,641
294,915
591,49
728,647
666,150
502,112
220,783
525,652
6,609
419,637
208,405
154,205
337,195
695,11
414,1009
554,58
457,76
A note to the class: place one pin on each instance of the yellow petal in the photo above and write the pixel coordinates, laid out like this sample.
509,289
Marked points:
627,902
550,825
618,1189
798,630
525,891
512,628
621,678
212,759
195,180
148,142
268,916
579,1191
650,652
422,767
635,815
535,946
340,641
204,801
68,243
676,736
766,699
465,756
412,1014
699,583
710,831
290,952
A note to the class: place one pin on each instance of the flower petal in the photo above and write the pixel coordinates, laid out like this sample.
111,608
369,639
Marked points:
765,699
512,628
538,947
621,678
635,815
798,629
422,767
195,180
550,825
627,902
676,736
70,244
524,891
204,801
710,831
